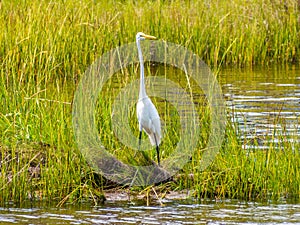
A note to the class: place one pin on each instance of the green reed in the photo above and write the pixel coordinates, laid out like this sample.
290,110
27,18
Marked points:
45,47
251,173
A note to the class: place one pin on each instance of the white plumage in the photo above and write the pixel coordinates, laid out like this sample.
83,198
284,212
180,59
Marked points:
147,114
149,120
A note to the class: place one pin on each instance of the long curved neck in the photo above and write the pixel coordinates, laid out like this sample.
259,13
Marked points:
142,93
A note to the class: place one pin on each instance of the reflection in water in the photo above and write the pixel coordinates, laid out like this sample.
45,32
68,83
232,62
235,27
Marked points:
264,103
175,212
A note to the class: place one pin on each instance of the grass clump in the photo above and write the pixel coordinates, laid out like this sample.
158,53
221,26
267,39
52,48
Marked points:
45,47
251,174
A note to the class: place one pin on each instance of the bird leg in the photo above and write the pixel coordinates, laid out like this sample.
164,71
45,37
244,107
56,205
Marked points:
140,141
157,150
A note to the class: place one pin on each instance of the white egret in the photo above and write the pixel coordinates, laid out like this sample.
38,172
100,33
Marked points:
147,114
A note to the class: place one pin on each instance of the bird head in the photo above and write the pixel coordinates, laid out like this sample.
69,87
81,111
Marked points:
142,36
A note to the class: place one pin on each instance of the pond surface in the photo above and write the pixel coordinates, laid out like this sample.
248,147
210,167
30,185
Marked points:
264,103
174,212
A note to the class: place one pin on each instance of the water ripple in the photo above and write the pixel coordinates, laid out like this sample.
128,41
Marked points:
227,212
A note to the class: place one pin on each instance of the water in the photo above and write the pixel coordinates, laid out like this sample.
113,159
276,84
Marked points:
264,103
174,212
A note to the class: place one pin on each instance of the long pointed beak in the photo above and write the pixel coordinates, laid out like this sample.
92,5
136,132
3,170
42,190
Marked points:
149,37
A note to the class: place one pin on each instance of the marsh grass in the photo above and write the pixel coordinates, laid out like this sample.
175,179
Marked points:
45,47
252,173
